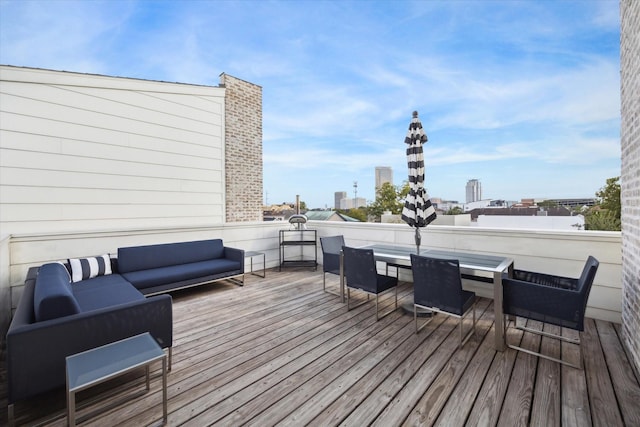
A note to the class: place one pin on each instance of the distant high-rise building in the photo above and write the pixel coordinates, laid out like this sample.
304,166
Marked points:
383,174
339,195
474,190
353,203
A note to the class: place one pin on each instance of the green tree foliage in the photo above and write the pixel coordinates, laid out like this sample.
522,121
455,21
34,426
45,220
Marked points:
359,214
548,204
388,198
457,210
606,215
609,196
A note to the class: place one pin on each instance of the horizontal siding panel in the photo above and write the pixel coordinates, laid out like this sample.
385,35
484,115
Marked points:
65,78
81,212
60,195
76,148
188,107
141,155
49,178
97,224
81,151
210,104
605,298
96,119
61,162
123,104
20,133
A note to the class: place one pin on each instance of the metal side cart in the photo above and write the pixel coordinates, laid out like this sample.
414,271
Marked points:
298,248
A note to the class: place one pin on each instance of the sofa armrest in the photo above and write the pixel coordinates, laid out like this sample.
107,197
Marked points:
564,307
36,352
234,254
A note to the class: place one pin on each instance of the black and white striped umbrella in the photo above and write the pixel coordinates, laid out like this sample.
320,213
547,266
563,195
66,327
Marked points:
418,211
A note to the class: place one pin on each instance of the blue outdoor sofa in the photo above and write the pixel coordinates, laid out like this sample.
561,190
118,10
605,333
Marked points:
70,307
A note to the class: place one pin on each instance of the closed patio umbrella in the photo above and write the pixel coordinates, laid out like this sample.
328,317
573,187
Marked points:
418,211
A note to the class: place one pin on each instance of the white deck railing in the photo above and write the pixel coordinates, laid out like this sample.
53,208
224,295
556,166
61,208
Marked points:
555,252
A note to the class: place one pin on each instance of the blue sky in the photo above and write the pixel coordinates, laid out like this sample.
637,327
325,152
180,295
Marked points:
522,95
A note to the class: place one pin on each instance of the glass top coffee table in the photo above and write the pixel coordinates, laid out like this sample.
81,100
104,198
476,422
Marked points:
95,366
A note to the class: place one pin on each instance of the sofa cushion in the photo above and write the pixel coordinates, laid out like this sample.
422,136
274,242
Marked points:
88,268
163,275
52,294
104,291
155,256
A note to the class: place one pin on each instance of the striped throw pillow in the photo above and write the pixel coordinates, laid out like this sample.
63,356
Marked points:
87,268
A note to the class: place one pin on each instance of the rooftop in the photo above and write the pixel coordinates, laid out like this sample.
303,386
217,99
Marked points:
279,350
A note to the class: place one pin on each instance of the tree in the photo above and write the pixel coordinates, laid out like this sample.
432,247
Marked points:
548,204
606,215
457,210
388,198
359,214
609,196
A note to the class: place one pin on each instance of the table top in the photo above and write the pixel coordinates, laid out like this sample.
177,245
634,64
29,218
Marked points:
101,363
473,261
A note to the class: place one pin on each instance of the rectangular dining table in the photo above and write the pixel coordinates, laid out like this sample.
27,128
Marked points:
471,264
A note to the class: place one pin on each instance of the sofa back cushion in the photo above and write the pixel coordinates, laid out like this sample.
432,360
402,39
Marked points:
52,295
138,258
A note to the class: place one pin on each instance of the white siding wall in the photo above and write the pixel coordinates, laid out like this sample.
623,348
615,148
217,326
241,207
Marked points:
555,252
87,152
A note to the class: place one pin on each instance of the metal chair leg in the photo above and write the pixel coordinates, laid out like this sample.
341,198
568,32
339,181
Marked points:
577,342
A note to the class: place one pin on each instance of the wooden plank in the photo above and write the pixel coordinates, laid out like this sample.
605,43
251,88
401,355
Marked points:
517,403
376,401
604,407
546,410
428,408
625,384
486,408
281,350
418,392
253,400
338,370
576,411
206,380
462,399
365,386
320,393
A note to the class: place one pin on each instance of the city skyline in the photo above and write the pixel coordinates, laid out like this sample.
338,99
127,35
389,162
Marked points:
525,95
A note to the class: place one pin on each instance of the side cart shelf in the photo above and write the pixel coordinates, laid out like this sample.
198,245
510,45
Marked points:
292,248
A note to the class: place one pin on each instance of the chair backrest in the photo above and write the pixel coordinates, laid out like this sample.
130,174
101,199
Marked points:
331,247
586,280
588,274
360,269
437,283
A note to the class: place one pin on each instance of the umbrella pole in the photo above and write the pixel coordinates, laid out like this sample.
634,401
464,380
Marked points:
418,239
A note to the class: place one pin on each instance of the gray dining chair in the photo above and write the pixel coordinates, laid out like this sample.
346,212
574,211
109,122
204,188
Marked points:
361,274
437,286
331,247
557,300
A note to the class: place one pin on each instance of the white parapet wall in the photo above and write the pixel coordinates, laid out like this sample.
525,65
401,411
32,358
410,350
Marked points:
554,252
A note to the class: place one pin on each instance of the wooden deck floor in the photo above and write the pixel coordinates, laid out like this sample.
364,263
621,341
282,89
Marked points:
281,351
